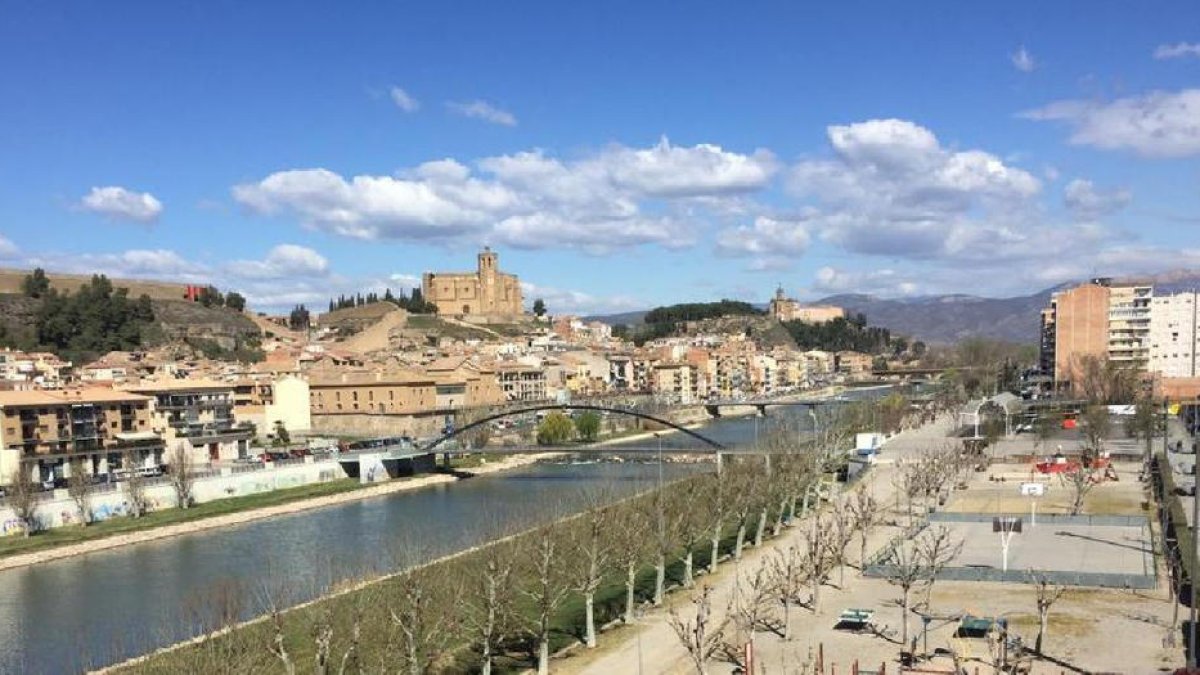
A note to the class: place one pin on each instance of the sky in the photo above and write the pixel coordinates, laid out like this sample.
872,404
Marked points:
618,155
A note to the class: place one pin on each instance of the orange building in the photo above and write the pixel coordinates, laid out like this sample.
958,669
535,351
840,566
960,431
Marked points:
1080,329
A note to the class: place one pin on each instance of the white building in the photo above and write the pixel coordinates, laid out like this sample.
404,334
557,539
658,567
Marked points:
1129,325
1174,343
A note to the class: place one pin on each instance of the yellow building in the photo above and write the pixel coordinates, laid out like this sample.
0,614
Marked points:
786,309
486,292
42,431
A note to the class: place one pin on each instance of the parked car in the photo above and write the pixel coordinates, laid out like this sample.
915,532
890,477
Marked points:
1186,490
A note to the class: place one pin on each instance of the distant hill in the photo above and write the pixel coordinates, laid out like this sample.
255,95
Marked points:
10,283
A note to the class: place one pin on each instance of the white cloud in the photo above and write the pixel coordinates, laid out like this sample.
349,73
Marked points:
774,244
893,190
120,204
1022,60
283,261
616,197
1087,202
674,171
1177,51
8,249
404,100
1158,124
133,264
883,282
482,110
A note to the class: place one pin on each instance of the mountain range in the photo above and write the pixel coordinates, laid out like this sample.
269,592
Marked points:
946,319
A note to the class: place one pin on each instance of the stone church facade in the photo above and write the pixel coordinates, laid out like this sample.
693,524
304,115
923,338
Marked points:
487,292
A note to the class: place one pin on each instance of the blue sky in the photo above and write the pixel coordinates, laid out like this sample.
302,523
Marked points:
618,155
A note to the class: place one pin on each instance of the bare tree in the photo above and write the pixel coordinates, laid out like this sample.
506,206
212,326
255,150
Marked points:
548,587
182,475
1097,427
819,559
909,484
662,537
741,504
489,611
592,547
79,488
631,550
701,634
135,484
905,569
23,499
864,511
753,606
840,533
937,548
689,505
720,495
278,646
790,579
422,610
1081,481
1047,594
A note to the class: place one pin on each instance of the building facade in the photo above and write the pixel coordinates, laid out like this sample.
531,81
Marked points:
42,432
1129,325
786,309
1173,340
197,414
1080,319
487,292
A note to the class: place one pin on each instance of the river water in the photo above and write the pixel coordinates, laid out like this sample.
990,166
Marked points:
68,615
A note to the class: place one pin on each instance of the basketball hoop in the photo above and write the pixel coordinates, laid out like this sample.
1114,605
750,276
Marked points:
1006,526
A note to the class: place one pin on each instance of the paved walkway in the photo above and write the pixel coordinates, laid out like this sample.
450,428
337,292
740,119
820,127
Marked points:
652,647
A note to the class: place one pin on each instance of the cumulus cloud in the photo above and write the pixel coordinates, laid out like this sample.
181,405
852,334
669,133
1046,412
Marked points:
773,244
883,282
1159,124
1087,202
119,203
1022,60
404,100
1179,50
615,197
892,189
482,110
283,261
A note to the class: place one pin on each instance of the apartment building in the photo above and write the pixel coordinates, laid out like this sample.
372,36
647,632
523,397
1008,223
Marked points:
1173,339
197,414
675,382
43,431
1129,325
1080,320
522,382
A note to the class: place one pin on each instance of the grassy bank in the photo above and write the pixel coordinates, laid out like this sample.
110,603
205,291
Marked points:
444,584
74,534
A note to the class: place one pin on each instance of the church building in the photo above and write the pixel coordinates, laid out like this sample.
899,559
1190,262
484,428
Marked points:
487,292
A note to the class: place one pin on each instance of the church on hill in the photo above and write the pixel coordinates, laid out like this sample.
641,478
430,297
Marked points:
486,292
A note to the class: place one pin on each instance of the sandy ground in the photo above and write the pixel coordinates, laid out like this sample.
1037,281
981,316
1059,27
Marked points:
232,519
1091,630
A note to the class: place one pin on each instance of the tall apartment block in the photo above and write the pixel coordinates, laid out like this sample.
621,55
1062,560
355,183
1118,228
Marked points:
1173,342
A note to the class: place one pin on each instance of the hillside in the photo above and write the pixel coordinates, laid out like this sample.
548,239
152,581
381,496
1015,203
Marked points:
10,283
176,322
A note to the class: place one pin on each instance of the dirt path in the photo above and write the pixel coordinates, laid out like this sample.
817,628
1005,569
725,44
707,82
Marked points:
233,519
378,335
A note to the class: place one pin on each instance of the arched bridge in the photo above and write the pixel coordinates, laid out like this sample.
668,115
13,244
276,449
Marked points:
569,406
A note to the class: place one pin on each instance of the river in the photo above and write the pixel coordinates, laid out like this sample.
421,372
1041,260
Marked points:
69,615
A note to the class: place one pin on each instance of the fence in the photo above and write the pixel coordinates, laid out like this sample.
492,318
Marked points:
879,564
